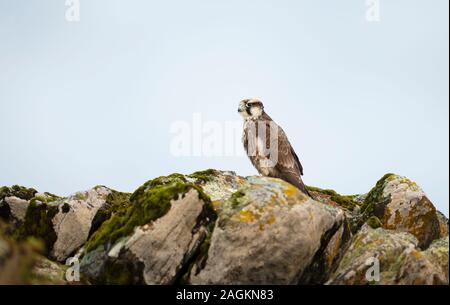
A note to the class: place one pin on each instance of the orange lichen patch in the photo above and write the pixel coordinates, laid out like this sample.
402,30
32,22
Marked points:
417,254
421,221
333,248
271,220
443,229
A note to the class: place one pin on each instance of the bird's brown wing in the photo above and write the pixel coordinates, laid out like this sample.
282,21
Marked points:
245,140
289,166
287,158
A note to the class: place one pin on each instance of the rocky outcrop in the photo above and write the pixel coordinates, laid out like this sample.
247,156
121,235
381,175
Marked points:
215,227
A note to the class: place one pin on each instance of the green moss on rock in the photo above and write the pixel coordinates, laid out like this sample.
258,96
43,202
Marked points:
38,223
345,201
374,222
150,202
204,176
163,180
235,198
375,196
17,191
13,191
115,201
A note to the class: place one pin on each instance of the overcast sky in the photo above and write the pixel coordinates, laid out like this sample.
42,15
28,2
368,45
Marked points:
93,102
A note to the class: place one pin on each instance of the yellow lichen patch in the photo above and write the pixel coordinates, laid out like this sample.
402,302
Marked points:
290,191
217,205
246,216
261,227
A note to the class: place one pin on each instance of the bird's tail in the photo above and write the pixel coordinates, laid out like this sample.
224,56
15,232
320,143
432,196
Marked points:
302,187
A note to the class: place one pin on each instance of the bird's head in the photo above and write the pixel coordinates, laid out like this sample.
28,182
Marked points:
251,108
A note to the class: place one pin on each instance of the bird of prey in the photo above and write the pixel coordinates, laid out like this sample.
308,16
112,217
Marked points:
268,147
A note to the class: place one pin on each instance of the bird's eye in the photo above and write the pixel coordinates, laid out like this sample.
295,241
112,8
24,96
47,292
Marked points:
249,105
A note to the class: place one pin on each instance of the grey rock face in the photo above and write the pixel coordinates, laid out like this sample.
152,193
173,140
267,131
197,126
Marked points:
72,226
157,250
18,207
267,233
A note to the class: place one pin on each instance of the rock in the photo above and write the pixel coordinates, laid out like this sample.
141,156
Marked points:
215,227
328,256
159,233
218,185
18,207
417,267
14,203
443,224
64,224
73,221
267,233
46,272
401,205
399,259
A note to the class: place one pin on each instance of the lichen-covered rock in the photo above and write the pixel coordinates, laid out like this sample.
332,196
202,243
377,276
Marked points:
267,233
152,240
63,224
218,185
402,205
215,227
399,259
327,258
415,267
14,203
443,224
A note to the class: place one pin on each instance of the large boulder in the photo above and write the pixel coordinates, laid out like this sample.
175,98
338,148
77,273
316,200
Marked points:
154,238
267,233
64,224
14,203
402,205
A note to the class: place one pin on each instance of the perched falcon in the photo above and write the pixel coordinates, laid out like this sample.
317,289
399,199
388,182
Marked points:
268,147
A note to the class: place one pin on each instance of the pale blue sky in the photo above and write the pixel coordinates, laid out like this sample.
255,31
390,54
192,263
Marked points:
92,102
